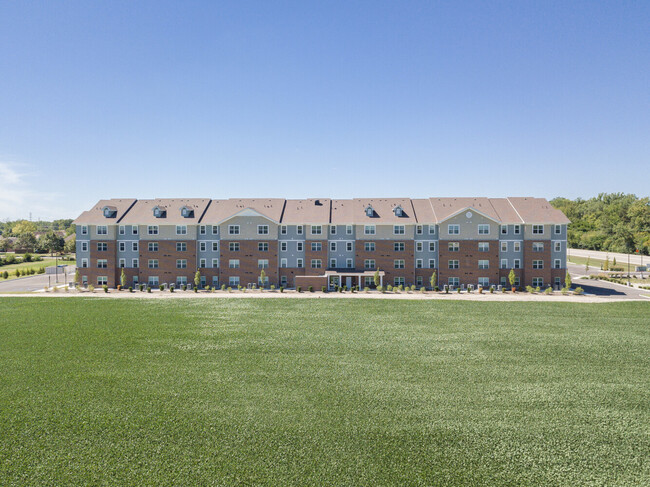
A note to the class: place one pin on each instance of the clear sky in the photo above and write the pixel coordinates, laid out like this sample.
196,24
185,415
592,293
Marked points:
320,99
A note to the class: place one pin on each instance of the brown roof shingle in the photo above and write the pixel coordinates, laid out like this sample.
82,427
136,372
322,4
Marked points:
315,210
95,216
142,211
221,210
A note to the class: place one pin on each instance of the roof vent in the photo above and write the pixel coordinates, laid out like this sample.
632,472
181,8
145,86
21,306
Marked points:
318,203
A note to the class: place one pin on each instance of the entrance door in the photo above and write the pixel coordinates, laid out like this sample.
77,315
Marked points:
348,282
334,281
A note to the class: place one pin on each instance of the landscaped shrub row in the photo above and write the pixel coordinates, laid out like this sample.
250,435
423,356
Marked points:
22,272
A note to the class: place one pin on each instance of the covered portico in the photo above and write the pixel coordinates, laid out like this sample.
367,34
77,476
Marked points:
343,278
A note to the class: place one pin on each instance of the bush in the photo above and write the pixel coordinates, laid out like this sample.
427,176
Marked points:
400,287
578,290
104,287
171,288
223,287
196,289
41,270
91,288
5,274
366,289
342,288
161,287
380,289
239,287
17,272
529,289
184,287
148,289
311,289
229,289
565,291
548,290
141,287
503,289
422,289
130,289
389,288
436,288
27,257
537,289
272,287
299,289
281,289
458,290
207,288
323,289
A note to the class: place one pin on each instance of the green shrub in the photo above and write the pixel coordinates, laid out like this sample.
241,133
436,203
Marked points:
380,289
141,287
299,289
104,287
223,287
548,290
148,289
207,288
5,274
436,288
184,287
161,287
389,288
341,289
537,289
323,289
422,289
272,287
239,287
400,287
229,289
171,288
196,289
491,289
366,289
27,257
130,289
503,289
458,290
281,289
529,289
91,288
41,270
311,289
565,291
578,290
17,272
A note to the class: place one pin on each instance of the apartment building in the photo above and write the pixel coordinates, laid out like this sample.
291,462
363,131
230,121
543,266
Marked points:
323,242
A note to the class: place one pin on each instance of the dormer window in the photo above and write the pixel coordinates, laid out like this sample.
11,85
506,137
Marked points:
398,211
158,212
109,211
187,212
370,212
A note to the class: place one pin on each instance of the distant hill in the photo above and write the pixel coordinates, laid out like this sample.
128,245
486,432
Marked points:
615,222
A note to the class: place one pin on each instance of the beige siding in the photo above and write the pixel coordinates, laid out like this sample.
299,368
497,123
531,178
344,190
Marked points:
385,232
168,232
528,233
112,233
469,227
248,228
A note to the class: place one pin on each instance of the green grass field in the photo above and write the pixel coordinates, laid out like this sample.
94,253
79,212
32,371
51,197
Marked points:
313,392
599,263
46,262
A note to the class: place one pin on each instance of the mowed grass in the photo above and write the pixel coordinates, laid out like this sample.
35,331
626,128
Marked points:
313,392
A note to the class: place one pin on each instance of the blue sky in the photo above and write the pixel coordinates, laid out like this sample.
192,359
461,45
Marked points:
330,99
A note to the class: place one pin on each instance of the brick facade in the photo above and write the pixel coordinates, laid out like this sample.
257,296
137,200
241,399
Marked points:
248,256
468,256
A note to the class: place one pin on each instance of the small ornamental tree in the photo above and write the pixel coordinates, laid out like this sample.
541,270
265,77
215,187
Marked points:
77,278
587,265
376,278
262,279
567,280
512,277
614,262
606,264
197,278
432,281
123,278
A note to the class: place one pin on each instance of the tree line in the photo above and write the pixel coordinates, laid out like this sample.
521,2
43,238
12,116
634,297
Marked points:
39,237
613,222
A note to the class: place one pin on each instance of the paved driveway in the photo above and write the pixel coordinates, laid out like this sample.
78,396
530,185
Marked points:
34,283
603,288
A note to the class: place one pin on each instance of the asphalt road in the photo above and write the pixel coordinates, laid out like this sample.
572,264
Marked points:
620,258
34,283
604,288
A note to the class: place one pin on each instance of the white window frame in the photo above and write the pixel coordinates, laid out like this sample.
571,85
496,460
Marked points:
483,264
262,229
517,230
283,263
135,263
538,264
399,264
557,246
516,264
181,263
84,246
215,263
181,229
484,246
516,246
203,247
419,229
432,229
181,246
122,230
215,246
419,246
233,229
432,246
102,230
453,229
536,229
557,263
558,229
504,246
233,281
233,264
481,229
504,263
122,246
399,229
84,229
369,230
102,263
453,246
134,229
152,229
369,247
215,229
333,263
300,263
84,263
202,230
349,263
419,263
332,246
333,230
203,263
349,246
283,229
300,246
316,263
262,246
348,230
504,229
369,264
134,246
316,229
299,230
283,246
453,264
233,247
262,263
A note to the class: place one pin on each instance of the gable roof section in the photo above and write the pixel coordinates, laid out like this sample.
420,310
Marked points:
342,212
383,211
506,212
222,210
446,207
537,210
95,216
315,210
423,211
142,211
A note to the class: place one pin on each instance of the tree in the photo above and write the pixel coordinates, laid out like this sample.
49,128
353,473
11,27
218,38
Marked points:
433,280
587,265
77,277
567,280
5,245
23,226
197,278
70,246
123,278
262,278
614,262
26,241
512,277
376,278
53,243
606,264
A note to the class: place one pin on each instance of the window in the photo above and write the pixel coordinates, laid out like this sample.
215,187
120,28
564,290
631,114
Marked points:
122,246
484,264
181,280
503,281
538,281
134,246
504,263
84,230
349,246
398,263
332,246
283,246
399,230
233,281
418,263
369,264
453,281
484,246
538,247
84,262
202,246
504,246
316,229
538,229
233,229
368,281
538,264
299,246
453,246
102,247
419,281
262,263
398,247
557,264
102,263
153,281
262,229
316,264
181,263
299,230
134,229
483,229
453,229
504,229
202,230
152,229
517,281
516,264
558,282
153,246
283,263
418,229
283,281
202,263
453,264
316,246
349,263
181,229
516,246
419,246
215,263
333,263
348,229
558,229
484,281
122,230
432,246
102,280
398,281
369,229
233,263
432,229
432,263
84,246
215,246
233,246
517,229
369,246
102,230
215,229
135,263
299,263
333,230
557,246
181,246
262,246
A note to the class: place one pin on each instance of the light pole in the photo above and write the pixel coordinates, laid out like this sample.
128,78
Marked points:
628,268
56,268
